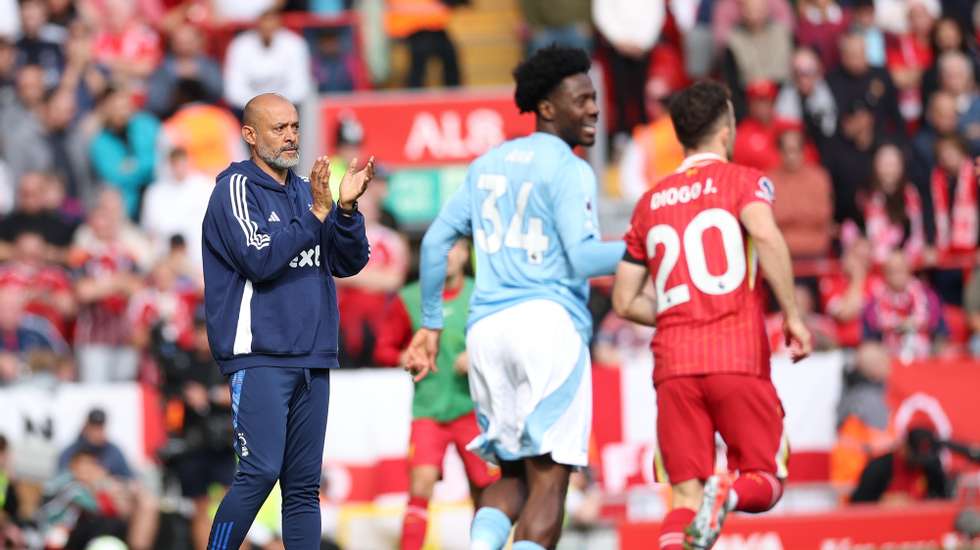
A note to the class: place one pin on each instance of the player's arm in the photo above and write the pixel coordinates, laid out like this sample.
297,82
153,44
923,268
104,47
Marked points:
774,258
452,223
235,228
577,223
628,296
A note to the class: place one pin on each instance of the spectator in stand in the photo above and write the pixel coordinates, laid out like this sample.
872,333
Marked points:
67,141
857,81
807,97
947,36
862,415
10,513
904,313
726,16
209,134
805,211
755,138
202,454
910,54
36,45
62,13
654,151
95,439
269,58
125,44
21,120
140,508
21,335
81,504
185,61
568,23
362,299
849,159
335,66
863,22
422,25
123,152
44,285
175,206
818,24
911,473
954,214
956,77
106,267
844,295
83,74
971,306
940,121
630,29
33,213
760,48
893,214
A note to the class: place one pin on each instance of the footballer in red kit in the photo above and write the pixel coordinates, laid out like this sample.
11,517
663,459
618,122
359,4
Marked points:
705,236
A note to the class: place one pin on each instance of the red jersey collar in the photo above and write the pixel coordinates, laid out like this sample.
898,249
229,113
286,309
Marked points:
699,159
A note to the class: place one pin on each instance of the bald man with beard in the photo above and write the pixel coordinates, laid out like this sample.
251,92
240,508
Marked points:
273,241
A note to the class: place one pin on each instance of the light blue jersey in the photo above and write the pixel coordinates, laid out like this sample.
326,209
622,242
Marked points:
529,205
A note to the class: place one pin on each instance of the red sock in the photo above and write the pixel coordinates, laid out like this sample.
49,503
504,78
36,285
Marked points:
415,522
757,491
672,529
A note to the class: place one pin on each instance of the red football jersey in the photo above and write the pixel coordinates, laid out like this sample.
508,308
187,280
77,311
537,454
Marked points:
710,302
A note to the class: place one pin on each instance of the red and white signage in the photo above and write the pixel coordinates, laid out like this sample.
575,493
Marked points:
427,128
856,528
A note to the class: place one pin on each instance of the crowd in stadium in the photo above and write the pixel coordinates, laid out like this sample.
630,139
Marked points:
115,116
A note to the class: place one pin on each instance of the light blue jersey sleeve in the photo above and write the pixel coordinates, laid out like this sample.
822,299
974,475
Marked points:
452,223
577,223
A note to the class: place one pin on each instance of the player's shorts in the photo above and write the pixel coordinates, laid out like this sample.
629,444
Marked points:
430,438
744,409
531,381
198,470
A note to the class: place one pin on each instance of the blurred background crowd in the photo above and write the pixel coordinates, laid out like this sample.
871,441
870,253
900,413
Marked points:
115,116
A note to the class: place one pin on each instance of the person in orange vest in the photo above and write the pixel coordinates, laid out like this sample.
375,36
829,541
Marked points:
654,151
862,417
422,24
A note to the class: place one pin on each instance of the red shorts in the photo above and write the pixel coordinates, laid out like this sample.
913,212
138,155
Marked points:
744,409
429,439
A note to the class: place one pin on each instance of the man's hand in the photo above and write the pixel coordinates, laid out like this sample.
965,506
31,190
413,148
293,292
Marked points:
797,338
355,183
420,357
320,186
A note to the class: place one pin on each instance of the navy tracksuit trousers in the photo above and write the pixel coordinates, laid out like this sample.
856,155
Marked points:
280,420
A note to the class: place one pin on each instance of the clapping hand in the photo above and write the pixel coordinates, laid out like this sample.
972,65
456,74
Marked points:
355,182
320,186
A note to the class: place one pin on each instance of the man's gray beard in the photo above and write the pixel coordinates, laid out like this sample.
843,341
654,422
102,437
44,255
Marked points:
279,161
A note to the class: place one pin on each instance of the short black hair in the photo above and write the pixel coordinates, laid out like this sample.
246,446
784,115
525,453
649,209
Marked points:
696,110
541,73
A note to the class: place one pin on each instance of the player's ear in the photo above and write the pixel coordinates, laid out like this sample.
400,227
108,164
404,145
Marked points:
546,109
248,134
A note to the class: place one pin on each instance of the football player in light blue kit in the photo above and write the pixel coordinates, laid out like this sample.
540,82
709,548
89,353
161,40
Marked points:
529,206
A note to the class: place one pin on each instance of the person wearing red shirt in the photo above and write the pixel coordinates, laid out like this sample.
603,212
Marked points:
702,233
756,140
46,286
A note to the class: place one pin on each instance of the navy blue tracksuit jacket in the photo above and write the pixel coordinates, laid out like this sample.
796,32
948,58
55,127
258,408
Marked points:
272,324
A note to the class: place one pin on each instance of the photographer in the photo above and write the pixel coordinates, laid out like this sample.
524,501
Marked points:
199,450
911,473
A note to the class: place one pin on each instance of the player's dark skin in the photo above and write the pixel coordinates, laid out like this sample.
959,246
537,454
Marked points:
532,492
